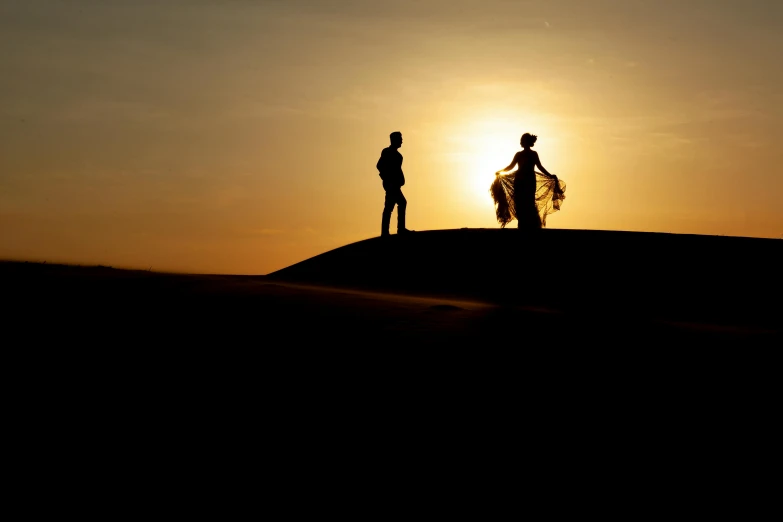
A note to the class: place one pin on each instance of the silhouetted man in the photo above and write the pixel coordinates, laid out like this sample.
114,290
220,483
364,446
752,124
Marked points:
390,170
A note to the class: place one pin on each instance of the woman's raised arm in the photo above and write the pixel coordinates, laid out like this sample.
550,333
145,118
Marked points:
510,165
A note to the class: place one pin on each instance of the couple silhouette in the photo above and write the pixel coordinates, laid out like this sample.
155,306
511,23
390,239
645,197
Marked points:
526,195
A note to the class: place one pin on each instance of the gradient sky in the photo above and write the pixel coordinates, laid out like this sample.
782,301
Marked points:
241,136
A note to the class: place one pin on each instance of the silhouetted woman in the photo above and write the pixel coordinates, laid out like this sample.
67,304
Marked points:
525,194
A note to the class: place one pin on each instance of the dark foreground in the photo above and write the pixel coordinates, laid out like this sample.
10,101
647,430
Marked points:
479,289
346,329
621,352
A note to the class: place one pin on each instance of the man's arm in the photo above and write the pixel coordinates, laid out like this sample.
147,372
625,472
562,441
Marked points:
381,165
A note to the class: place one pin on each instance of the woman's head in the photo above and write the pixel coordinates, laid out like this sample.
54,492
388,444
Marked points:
528,140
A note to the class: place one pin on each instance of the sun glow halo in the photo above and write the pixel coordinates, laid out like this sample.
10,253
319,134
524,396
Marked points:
489,155
490,147
486,145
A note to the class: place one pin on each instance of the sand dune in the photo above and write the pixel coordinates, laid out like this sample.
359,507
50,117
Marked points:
723,280
470,287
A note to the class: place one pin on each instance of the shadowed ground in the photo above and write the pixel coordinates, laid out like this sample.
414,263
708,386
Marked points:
604,334
722,281
483,289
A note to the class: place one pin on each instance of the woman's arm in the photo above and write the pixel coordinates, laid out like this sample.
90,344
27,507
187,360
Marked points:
510,165
540,166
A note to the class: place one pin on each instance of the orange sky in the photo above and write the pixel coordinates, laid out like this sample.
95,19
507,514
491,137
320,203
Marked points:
241,137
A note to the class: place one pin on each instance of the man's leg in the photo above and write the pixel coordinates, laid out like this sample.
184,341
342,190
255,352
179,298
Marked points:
402,204
388,206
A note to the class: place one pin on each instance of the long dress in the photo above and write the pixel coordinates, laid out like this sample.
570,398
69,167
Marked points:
526,195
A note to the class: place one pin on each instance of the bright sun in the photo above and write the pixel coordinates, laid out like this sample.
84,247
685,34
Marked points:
487,145
490,154
490,150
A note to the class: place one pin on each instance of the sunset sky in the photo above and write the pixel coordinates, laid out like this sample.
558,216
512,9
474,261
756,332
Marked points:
241,136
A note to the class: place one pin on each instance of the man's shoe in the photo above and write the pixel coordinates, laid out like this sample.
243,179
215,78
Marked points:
405,231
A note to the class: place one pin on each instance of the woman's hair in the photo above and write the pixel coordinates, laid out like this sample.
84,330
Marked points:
528,140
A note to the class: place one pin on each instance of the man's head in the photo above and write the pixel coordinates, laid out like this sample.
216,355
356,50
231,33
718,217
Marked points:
396,139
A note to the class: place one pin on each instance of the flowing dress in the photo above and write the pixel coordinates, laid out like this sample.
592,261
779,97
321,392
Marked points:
526,195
